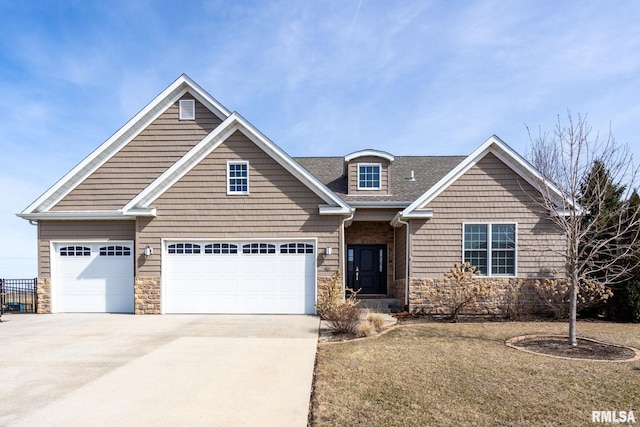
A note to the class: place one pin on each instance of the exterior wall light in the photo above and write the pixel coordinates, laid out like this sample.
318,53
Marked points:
148,250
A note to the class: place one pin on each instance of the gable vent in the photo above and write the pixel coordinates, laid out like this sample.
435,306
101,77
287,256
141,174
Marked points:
187,109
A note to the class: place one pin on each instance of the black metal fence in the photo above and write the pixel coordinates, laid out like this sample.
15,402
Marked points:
18,295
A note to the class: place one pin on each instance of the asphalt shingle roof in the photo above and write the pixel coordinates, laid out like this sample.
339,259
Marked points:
428,170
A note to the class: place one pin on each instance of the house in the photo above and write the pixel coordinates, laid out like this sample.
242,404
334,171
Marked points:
188,208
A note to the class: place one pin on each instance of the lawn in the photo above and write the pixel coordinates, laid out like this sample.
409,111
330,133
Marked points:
443,374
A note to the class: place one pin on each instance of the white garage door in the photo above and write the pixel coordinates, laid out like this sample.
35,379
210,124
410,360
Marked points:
94,277
239,277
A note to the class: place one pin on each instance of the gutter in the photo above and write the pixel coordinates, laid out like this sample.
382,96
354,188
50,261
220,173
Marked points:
343,251
398,219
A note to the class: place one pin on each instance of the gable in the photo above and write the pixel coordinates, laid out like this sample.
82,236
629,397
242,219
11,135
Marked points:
494,147
275,196
141,161
40,208
489,190
141,204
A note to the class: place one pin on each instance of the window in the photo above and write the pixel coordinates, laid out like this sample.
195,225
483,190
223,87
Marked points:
75,251
184,248
369,176
258,248
115,251
296,248
221,248
187,109
237,178
491,248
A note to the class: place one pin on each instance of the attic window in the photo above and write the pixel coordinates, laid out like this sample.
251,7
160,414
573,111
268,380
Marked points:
187,109
369,176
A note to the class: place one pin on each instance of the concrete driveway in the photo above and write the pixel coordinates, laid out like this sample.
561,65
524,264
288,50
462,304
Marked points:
184,370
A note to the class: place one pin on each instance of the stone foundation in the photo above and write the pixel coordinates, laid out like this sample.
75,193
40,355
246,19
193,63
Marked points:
147,295
43,291
508,297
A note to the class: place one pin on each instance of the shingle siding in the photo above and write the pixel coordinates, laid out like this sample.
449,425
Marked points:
141,161
278,206
489,192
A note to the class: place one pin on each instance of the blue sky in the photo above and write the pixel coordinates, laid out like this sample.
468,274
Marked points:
324,77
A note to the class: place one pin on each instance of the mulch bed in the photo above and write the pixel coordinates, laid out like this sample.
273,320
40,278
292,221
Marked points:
586,349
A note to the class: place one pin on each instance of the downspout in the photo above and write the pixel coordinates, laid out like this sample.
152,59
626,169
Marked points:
343,251
408,260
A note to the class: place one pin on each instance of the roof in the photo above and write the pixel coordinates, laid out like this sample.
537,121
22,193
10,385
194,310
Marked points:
428,170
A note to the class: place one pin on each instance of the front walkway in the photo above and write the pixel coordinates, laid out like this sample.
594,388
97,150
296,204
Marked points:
102,369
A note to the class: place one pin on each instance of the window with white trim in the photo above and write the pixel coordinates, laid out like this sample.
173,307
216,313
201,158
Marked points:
184,248
221,248
259,248
187,109
115,250
491,248
238,178
369,176
75,251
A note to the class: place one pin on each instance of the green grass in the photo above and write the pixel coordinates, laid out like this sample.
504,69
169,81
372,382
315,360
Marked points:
442,374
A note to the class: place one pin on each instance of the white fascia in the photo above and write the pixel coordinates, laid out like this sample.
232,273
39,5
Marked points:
400,218
76,215
369,152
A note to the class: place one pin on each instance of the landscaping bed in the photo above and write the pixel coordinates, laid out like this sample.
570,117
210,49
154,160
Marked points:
442,374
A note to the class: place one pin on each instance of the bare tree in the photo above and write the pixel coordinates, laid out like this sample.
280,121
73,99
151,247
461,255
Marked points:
601,239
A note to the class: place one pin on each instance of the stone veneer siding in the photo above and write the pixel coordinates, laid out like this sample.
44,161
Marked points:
43,292
505,292
147,295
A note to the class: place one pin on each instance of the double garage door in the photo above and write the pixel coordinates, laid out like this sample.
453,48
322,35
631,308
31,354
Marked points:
197,277
239,277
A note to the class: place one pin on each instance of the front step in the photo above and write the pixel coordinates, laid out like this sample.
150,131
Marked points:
381,305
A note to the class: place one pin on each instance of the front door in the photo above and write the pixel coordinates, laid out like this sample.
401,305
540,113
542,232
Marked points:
367,268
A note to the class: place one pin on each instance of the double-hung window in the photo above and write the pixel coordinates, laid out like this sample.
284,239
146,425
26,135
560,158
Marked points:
369,176
491,248
238,178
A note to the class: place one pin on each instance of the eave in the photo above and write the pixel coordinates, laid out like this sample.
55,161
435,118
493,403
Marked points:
84,215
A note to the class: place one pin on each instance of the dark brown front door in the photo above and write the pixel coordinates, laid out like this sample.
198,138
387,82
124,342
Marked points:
367,268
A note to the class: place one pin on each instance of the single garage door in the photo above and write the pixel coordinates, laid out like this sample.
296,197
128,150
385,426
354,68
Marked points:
250,277
94,277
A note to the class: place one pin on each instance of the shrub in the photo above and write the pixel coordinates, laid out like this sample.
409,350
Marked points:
556,295
376,320
461,290
343,319
366,329
332,298
513,306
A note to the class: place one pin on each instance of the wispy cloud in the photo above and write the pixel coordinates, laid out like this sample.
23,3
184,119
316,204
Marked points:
319,78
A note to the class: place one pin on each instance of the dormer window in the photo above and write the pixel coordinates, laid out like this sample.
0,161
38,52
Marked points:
369,176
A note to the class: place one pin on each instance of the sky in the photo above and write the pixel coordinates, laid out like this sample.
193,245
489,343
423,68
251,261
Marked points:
322,77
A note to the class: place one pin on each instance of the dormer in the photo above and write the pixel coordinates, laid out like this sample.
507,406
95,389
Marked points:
367,172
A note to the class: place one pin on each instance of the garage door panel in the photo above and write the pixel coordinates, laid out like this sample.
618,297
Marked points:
270,282
95,280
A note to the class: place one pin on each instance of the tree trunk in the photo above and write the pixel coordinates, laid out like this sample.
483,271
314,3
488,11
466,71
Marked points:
573,303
